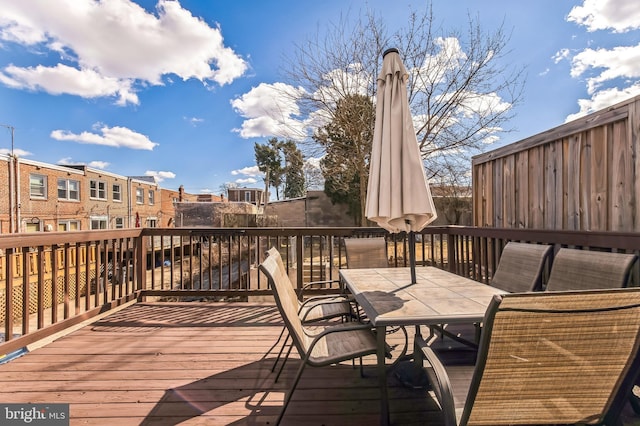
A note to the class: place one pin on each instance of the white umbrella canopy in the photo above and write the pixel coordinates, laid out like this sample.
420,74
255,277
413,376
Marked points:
398,194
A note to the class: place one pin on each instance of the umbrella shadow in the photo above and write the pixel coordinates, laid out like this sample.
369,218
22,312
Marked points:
385,302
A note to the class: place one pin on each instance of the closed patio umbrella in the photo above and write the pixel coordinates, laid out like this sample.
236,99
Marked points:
398,194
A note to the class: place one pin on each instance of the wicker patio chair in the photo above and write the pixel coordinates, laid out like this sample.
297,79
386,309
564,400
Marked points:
519,270
583,270
366,253
545,358
327,344
310,310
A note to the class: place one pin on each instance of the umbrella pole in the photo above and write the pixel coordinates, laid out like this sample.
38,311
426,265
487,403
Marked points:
412,255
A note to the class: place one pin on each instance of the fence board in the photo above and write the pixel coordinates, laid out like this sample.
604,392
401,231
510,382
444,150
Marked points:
583,175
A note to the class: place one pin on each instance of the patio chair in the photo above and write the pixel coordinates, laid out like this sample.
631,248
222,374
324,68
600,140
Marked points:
519,270
310,310
545,358
574,269
328,344
366,253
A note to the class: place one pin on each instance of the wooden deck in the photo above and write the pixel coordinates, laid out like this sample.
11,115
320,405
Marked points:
198,363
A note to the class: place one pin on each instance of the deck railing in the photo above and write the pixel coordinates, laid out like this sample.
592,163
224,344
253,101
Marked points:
54,280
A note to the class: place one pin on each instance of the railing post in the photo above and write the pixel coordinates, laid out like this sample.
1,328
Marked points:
141,261
299,260
451,252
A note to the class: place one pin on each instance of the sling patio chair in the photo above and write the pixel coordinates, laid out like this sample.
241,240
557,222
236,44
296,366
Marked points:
519,270
325,344
366,253
312,309
574,269
545,358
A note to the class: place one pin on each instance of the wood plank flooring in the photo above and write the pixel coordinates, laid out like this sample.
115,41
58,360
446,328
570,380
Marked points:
197,363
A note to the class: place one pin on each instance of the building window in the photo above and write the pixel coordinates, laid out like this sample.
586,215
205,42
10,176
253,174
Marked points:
152,197
152,222
116,192
98,222
38,186
32,227
68,225
247,196
98,189
139,196
68,189
119,222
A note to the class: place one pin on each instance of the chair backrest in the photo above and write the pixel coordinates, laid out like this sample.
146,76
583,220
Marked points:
555,358
366,253
521,266
574,269
285,296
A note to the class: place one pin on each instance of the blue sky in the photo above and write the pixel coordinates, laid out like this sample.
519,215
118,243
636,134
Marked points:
180,90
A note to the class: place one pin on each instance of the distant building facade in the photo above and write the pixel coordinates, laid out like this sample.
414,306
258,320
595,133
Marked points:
39,197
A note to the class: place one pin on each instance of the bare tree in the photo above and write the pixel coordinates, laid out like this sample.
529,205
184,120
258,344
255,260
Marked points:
461,88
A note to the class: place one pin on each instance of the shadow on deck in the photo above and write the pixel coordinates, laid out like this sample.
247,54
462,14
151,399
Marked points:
197,363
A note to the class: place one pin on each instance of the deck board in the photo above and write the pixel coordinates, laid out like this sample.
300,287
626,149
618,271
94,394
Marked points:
197,363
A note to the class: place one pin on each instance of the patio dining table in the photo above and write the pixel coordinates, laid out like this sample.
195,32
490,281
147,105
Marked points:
389,299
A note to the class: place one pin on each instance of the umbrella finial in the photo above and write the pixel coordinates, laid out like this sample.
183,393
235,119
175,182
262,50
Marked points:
390,50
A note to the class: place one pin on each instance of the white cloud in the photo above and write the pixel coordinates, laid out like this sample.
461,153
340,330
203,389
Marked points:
16,151
617,15
63,79
109,136
619,62
270,110
160,176
116,43
604,99
248,171
98,164
250,181
194,121
561,54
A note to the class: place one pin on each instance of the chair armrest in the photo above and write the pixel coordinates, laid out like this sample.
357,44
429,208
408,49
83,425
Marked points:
319,301
312,283
439,379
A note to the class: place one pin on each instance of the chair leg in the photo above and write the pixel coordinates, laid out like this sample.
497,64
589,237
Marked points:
273,367
284,361
287,398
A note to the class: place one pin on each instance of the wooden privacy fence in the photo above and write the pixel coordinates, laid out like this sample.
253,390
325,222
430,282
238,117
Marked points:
583,175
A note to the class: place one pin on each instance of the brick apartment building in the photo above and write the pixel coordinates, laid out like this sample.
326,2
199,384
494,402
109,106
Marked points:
37,196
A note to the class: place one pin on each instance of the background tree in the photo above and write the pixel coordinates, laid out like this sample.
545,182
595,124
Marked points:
346,140
462,86
269,161
294,180
282,163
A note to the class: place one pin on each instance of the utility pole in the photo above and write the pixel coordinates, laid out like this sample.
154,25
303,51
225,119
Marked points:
12,134
13,189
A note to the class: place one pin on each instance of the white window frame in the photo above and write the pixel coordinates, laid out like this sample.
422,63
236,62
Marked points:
247,196
139,195
116,195
97,189
118,222
101,221
152,197
41,187
68,192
